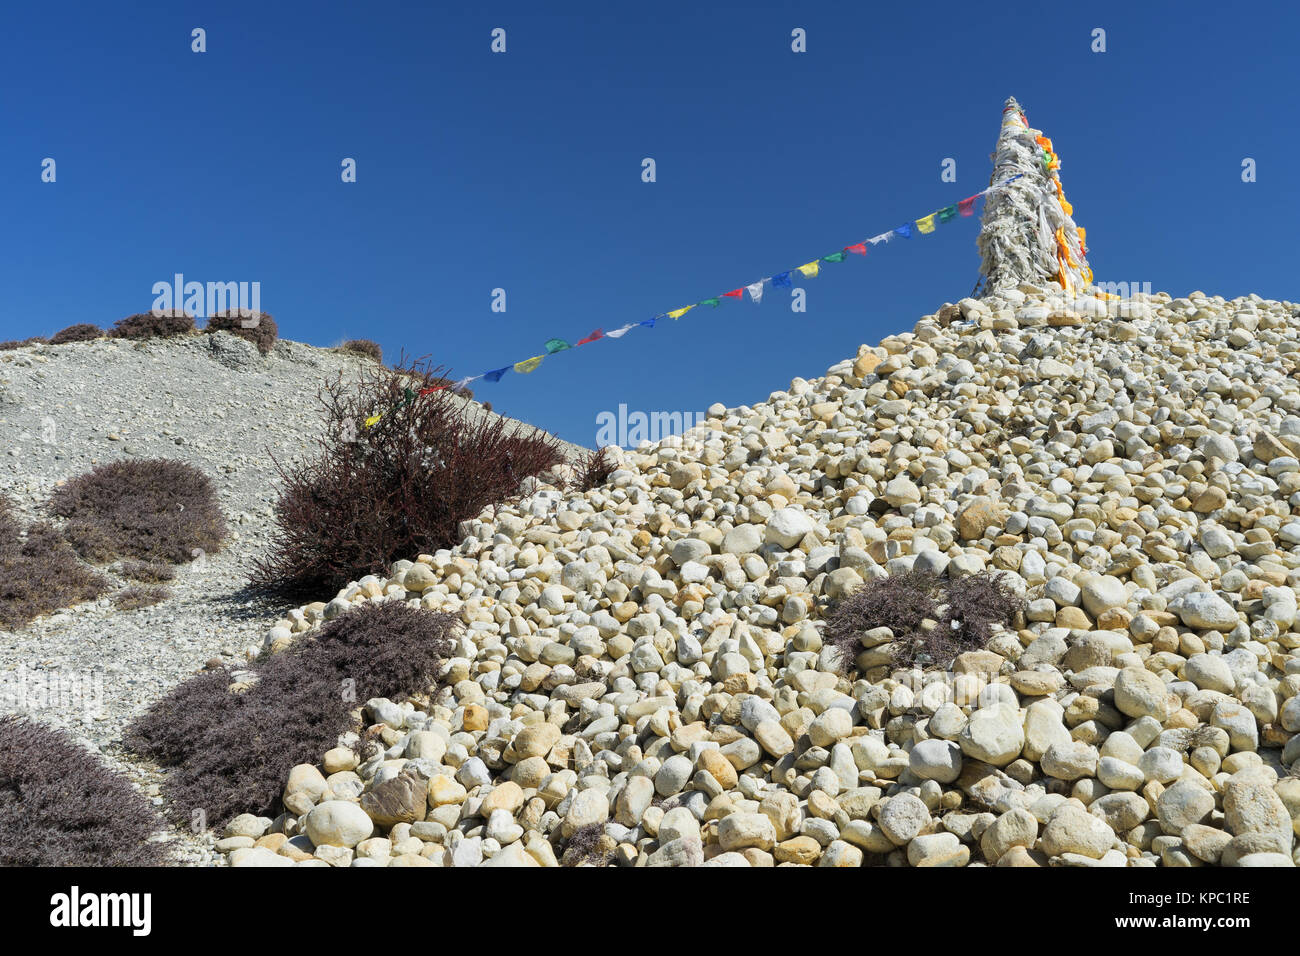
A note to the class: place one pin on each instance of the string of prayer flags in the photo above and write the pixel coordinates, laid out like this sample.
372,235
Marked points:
781,280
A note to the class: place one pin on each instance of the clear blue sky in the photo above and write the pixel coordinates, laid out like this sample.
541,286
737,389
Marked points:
522,171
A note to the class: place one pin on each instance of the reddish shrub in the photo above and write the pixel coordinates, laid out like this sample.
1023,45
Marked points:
59,806
82,332
933,619
151,572
39,574
396,488
258,328
22,343
135,597
154,509
369,349
231,753
593,469
147,325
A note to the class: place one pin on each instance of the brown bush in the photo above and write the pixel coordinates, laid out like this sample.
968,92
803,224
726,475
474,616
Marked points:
59,806
231,753
82,332
151,572
153,509
396,489
899,602
135,597
22,343
40,574
593,469
147,325
933,619
369,349
588,844
258,328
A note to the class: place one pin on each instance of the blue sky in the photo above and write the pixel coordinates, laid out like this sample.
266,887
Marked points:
522,171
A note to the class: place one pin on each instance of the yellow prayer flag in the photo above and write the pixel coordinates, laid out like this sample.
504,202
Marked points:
1083,236
926,225
372,419
811,269
527,365
678,313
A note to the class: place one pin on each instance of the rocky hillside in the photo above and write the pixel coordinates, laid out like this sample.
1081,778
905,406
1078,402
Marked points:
642,678
211,400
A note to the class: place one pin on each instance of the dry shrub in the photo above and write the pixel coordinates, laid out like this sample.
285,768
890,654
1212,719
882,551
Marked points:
258,328
398,488
59,806
22,343
153,509
369,349
151,572
40,574
148,325
231,753
976,603
588,845
593,469
962,613
136,597
81,332
899,602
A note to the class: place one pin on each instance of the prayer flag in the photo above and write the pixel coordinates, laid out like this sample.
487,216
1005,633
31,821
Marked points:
527,365
859,247
678,313
926,225
495,374
756,291
556,345
598,334
835,257
947,213
810,269
734,294
781,279
967,206
905,230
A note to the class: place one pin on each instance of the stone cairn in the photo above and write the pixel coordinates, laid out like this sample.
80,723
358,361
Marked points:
1027,233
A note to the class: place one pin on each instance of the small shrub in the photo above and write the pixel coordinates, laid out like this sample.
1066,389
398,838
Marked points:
593,469
231,753
40,574
976,603
259,328
487,406
82,332
59,806
375,494
960,613
588,845
23,343
151,572
369,349
147,325
136,597
153,509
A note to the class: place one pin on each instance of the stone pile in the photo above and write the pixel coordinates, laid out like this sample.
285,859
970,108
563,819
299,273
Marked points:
642,681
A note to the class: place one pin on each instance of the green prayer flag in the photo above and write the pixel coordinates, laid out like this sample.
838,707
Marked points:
713,302
556,345
947,213
834,257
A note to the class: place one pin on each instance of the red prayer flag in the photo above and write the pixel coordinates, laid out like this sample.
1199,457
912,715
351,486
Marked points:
967,206
859,247
598,334
734,294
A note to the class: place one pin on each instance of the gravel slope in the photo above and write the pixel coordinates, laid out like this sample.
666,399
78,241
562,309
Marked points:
210,400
